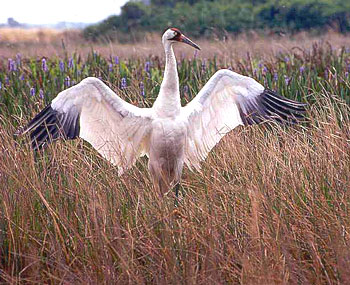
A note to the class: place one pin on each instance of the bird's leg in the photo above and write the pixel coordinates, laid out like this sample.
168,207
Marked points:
176,200
177,188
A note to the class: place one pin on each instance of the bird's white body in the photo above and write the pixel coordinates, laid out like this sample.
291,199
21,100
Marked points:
170,135
167,150
168,131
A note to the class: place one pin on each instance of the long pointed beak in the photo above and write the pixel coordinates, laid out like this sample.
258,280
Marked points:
186,40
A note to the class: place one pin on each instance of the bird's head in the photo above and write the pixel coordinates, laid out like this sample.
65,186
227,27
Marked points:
174,35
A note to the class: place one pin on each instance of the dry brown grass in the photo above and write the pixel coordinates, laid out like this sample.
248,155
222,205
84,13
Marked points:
38,43
17,35
271,206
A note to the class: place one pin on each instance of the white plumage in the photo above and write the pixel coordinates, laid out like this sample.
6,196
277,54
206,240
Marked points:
169,134
115,128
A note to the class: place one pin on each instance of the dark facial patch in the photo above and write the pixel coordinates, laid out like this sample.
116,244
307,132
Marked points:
177,34
175,30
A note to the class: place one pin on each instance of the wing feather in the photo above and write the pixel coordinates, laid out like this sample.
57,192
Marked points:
92,111
226,101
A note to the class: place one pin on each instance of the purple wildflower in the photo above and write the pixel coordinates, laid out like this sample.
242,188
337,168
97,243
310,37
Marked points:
275,76
67,81
348,67
44,65
142,87
286,79
61,65
116,60
71,63
18,59
265,69
123,83
260,65
0,85
21,77
41,93
346,74
110,67
286,59
11,65
301,69
255,71
204,66
32,91
326,74
185,89
148,67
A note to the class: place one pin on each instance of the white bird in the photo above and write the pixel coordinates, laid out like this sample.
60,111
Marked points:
170,135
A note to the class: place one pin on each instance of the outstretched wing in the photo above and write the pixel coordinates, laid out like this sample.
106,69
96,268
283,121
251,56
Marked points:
226,101
92,111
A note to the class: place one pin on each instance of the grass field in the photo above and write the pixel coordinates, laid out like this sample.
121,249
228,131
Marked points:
271,205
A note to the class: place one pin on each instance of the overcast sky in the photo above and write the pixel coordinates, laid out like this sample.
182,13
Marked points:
53,11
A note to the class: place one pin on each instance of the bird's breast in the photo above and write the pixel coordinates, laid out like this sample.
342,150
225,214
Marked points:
168,137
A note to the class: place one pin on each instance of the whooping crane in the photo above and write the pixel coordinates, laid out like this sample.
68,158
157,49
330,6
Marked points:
170,135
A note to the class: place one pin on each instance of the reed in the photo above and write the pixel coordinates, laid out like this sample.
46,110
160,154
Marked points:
270,206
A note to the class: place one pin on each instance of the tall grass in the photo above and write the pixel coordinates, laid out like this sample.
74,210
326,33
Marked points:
51,43
271,204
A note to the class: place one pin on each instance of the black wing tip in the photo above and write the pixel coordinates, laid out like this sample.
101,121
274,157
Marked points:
282,109
271,106
272,93
24,129
49,125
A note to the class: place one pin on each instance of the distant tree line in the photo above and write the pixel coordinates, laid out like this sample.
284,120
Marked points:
201,18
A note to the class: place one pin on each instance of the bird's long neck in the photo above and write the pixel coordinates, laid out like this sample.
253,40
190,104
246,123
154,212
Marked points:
168,102
171,79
